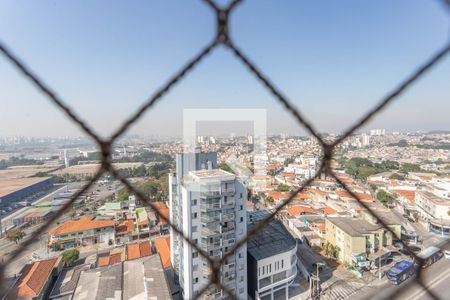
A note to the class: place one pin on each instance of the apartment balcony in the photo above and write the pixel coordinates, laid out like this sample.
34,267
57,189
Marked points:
228,190
211,230
229,228
204,218
228,217
210,246
210,194
231,268
230,203
210,206
228,280
229,242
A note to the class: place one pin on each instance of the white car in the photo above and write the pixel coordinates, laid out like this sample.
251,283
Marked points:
447,254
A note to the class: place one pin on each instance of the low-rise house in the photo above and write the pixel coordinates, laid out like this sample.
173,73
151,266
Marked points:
35,280
162,246
81,232
66,283
271,262
139,250
110,209
115,256
141,278
356,238
435,211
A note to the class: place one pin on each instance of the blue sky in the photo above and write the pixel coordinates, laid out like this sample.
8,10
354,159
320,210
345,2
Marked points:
332,59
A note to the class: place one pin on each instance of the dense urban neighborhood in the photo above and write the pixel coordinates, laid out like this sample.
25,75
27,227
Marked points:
326,240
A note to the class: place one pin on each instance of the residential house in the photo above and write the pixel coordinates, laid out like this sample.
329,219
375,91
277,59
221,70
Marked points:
35,280
81,232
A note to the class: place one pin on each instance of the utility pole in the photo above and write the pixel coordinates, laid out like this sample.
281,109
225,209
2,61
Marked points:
318,264
379,268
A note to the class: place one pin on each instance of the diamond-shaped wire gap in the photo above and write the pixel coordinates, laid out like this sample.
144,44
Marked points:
48,223
275,92
410,252
399,90
269,218
165,89
158,213
47,91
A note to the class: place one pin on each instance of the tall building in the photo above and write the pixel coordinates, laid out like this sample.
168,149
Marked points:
66,159
208,206
365,140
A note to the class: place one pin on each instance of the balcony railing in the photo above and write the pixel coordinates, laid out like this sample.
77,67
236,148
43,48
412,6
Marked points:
209,219
210,206
210,194
210,246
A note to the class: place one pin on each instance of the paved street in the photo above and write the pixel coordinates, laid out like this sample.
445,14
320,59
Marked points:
436,278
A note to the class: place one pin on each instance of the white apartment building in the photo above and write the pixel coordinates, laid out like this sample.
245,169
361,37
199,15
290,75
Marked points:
209,206
272,261
431,206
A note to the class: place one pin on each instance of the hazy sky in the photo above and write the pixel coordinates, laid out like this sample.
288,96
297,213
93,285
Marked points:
333,59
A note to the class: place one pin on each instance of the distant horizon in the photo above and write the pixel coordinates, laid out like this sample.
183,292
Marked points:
226,135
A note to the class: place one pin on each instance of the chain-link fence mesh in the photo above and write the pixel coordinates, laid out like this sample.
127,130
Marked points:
223,39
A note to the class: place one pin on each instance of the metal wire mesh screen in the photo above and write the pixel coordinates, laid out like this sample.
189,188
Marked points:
222,39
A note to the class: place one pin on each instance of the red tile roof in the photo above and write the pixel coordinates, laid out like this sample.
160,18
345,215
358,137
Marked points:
329,211
166,213
109,260
163,248
299,210
138,250
33,279
83,224
126,227
408,195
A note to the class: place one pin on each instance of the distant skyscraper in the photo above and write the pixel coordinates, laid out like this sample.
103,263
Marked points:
66,159
250,139
208,205
377,131
365,140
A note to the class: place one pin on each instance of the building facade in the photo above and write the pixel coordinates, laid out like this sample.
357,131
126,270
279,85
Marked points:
271,261
357,239
82,232
209,206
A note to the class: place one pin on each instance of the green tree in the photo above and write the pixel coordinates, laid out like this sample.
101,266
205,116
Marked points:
384,197
123,194
397,176
15,235
69,257
373,187
283,188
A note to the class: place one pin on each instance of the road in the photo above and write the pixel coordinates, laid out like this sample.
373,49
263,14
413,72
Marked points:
436,278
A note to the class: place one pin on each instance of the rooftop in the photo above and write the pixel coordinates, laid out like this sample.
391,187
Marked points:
144,278
138,250
162,246
82,224
271,240
33,279
67,281
100,283
11,185
354,227
211,174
